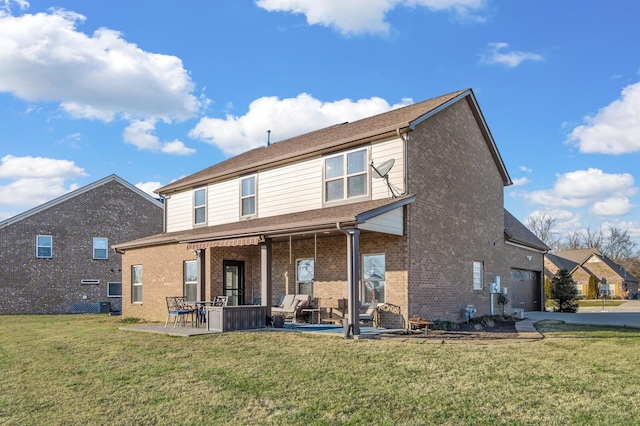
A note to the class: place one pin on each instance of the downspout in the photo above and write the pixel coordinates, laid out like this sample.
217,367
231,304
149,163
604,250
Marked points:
405,139
164,211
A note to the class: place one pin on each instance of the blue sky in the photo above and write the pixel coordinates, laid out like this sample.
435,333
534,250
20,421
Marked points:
155,90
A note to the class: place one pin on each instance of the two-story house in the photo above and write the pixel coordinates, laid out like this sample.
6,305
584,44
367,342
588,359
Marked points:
404,208
56,257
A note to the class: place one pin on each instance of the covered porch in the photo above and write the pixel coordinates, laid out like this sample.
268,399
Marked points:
318,252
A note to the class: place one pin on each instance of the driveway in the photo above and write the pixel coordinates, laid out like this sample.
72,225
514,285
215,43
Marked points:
627,314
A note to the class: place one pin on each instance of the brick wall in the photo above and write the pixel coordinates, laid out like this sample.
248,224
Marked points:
30,285
457,218
163,271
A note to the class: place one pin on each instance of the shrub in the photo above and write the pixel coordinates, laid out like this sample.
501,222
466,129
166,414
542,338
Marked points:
130,320
564,291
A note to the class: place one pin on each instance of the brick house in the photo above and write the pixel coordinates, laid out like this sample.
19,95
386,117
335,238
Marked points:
611,278
404,208
56,258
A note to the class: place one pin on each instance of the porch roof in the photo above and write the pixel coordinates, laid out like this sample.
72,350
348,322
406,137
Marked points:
248,232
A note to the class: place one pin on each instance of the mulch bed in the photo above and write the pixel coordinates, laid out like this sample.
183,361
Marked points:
468,331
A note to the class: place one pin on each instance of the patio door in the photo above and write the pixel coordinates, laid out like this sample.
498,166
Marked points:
233,281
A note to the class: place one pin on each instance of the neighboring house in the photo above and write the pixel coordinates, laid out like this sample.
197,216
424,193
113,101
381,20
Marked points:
56,258
611,278
311,214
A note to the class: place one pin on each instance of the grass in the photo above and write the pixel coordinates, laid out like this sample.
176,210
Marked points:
550,303
83,370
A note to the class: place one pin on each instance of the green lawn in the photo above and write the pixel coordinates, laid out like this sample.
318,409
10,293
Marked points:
83,370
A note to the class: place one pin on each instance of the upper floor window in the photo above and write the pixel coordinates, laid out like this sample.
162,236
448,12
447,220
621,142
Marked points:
346,176
44,246
100,248
248,196
200,206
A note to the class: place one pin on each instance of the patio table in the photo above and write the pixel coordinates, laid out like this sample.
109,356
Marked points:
201,311
312,311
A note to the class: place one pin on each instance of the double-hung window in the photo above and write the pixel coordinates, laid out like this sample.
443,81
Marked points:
136,284
191,280
44,246
100,248
200,206
346,176
248,196
305,276
478,272
373,278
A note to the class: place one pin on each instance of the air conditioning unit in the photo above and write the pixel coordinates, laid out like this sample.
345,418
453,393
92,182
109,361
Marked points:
518,313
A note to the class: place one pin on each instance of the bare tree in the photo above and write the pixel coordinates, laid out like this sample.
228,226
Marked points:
573,241
594,239
542,226
619,245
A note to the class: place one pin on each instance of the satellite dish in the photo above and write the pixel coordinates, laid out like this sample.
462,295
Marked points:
383,169
382,172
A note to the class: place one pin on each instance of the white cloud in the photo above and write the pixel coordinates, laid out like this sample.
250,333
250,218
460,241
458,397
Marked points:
614,129
587,188
5,6
38,168
525,169
149,187
496,55
520,181
140,134
45,58
614,206
565,221
361,16
33,181
285,118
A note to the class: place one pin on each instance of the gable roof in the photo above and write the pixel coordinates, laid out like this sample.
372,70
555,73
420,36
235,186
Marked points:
579,257
340,136
76,193
517,233
308,221
561,262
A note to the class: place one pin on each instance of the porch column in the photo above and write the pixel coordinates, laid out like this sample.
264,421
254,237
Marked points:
353,268
265,275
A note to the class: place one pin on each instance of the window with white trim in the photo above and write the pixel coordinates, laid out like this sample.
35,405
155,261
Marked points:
136,284
305,276
44,246
248,196
346,176
191,280
200,206
373,278
114,289
478,273
100,248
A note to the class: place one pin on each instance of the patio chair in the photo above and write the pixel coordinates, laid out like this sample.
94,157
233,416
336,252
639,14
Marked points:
220,301
179,309
292,306
371,314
